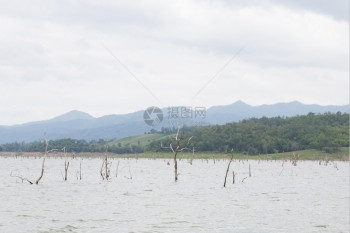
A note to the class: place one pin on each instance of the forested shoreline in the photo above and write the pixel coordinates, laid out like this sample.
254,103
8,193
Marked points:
327,132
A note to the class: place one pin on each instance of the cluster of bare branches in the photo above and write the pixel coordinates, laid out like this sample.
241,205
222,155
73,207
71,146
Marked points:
192,157
233,172
105,170
295,159
179,147
66,165
42,167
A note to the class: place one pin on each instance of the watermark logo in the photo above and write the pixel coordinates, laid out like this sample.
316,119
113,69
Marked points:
176,116
186,115
153,116
186,112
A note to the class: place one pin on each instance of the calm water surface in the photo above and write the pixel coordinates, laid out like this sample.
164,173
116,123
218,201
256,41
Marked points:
144,198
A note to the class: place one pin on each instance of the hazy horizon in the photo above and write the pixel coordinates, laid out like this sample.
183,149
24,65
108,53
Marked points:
122,113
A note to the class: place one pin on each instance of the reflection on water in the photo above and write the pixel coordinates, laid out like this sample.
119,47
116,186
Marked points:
305,198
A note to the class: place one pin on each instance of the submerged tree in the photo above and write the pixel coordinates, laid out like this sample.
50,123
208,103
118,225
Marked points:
42,166
227,170
179,147
66,165
106,166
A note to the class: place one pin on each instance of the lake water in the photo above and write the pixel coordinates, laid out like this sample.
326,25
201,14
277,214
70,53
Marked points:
144,197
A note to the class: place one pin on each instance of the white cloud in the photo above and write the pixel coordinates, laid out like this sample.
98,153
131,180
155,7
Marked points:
52,55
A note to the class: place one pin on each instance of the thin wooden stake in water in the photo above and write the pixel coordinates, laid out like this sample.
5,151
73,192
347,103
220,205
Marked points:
66,165
80,171
107,172
116,172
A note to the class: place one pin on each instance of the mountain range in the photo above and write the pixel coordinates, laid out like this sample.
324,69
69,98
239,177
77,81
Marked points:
80,125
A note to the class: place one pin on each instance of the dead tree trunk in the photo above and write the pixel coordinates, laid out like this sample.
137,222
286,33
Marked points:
233,177
105,168
42,167
228,168
178,149
101,170
43,164
295,159
191,159
66,165
175,165
80,171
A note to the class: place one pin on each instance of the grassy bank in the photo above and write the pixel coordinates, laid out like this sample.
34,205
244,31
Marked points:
342,155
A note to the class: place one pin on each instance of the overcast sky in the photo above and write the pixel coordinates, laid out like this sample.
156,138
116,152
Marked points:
108,57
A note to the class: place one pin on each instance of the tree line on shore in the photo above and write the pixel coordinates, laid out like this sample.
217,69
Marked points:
327,132
71,146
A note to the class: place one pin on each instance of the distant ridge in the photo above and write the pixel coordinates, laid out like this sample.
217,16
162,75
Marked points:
73,115
80,125
240,110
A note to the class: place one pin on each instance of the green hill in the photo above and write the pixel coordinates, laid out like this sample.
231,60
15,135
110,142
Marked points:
141,140
327,132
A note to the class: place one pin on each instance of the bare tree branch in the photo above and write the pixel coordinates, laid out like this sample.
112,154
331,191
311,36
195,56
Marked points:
172,149
20,177
177,134
188,142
